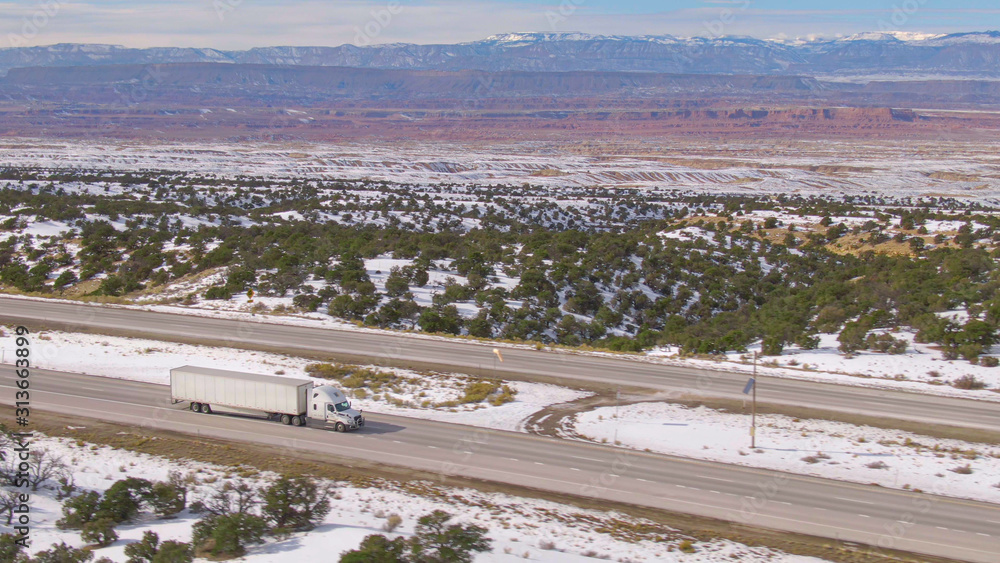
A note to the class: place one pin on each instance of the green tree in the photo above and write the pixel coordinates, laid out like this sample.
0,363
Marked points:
143,550
62,553
10,550
167,499
852,337
124,499
296,503
79,510
378,549
173,552
437,542
100,532
227,536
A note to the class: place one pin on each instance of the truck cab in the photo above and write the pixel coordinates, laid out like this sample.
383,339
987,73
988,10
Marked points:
329,405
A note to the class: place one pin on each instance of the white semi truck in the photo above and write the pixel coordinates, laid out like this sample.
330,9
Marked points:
291,401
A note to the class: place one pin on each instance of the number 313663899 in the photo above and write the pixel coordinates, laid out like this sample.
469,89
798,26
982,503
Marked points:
22,365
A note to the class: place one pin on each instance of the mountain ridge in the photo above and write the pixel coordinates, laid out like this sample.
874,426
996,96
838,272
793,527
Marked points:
969,54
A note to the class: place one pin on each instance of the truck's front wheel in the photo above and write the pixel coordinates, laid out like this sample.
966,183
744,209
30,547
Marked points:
340,427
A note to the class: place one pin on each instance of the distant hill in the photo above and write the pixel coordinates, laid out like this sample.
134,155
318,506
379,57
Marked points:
860,57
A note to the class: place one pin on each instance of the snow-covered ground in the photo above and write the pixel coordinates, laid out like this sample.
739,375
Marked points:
921,369
803,167
827,449
520,529
151,360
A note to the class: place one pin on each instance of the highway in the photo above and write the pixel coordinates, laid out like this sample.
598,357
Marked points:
921,523
519,363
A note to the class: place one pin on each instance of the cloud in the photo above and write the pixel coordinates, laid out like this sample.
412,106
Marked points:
242,24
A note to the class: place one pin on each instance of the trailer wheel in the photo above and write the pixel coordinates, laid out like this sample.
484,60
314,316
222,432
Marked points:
196,407
206,409
340,427
298,421
285,419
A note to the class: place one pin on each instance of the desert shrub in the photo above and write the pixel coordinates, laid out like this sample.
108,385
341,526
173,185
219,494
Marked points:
989,361
218,292
962,469
969,383
392,522
686,546
328,371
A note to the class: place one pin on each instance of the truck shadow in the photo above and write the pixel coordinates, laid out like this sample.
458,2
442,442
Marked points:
373,427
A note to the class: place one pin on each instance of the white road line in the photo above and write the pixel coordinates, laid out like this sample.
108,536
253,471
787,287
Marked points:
587,458
539,463
854,500
718,479
783,502
716,492
573,469
982,534
864,516
940,527
643,480
433,447
513,459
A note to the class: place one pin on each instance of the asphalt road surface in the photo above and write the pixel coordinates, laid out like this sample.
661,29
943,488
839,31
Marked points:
523,363
922,523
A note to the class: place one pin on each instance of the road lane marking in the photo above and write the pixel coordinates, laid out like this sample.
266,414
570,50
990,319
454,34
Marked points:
718,479
854,500
539,463
864,516
982,534
573,469
587,458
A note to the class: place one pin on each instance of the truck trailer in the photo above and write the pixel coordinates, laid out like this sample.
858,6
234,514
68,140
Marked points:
296,402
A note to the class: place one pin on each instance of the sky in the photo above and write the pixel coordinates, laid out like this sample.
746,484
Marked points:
243,24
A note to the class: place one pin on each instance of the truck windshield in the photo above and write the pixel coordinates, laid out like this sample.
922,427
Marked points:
343,406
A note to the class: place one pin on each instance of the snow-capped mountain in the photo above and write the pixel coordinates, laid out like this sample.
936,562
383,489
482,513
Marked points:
973,54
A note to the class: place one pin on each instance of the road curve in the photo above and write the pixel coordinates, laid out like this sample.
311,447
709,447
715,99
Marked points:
921,523
521,363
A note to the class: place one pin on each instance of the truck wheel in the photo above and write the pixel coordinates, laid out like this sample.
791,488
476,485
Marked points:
196,407
299,420
340,427
206,409
285,419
